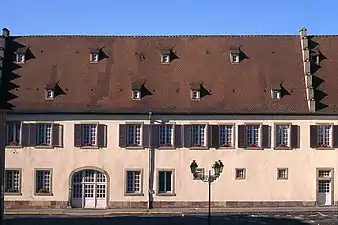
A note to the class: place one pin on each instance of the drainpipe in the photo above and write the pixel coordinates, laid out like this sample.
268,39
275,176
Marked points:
151,161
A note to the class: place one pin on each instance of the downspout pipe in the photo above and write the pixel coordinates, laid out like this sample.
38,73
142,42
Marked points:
151,162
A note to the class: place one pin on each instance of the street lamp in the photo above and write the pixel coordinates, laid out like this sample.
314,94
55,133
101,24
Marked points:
210,177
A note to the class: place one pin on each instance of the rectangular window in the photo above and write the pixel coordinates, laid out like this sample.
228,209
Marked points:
240,174
165,182
136,95
44,136
282,174
252,135
89,134
133,182
195,95
226,135
234,57
43,182
198,135
94,57
165,58
282,135
134,135
275,94
12,181
324,135
20,58
166,135
13,133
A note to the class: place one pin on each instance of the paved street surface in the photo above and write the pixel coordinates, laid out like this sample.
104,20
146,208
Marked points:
269,218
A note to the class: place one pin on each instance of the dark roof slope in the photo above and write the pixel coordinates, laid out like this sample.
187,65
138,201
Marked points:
106,86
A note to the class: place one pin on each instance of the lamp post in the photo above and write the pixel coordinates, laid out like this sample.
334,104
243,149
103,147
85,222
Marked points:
210,177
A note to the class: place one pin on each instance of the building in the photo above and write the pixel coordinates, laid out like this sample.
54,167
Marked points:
112,121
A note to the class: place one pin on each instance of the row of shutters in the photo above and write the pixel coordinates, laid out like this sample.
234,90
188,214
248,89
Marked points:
182,136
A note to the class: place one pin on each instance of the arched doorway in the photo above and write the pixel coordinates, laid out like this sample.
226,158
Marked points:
89,189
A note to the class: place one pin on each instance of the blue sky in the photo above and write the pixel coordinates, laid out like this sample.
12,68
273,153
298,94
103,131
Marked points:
168,17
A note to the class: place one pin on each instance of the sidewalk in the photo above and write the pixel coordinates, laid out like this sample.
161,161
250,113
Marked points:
173,211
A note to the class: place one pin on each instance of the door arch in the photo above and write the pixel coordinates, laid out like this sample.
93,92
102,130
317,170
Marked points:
89,188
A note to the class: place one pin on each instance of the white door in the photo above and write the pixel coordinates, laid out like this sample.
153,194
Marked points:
324,192
89,189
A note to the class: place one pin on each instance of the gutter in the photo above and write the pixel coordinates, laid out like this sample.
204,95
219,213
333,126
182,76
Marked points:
151,164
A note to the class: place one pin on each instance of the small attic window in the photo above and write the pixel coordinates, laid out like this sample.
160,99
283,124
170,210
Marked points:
165,58
234,57
136,94
49,94
94,57
195,94
275,94
20,58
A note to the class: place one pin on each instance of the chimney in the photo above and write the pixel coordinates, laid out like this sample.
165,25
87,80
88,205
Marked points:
5,32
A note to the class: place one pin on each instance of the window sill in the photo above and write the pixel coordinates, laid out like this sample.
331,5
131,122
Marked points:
199,148
165,194
283,148
282,178
44,146
13,194
166,148
134,147
43,194
133,194
325,148
89,147
240,179
13,146
254,148
225,148
233,62
94,62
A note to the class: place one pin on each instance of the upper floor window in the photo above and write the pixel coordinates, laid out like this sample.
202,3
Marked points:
198,135
136,94
166,135
195,94
165,58
324,135
252,133
275,94
44,135
89,133
49,94
134,136
282,135
13,133
226,135
234,57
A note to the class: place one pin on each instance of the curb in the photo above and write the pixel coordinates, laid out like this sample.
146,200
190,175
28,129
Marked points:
94,214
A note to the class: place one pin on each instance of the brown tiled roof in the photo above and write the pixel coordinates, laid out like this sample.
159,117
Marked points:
230,88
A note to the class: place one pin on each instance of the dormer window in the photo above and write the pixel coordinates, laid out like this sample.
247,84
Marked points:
275,94
234,57
165,58
94,57
195,94
20,58
49,94
136,95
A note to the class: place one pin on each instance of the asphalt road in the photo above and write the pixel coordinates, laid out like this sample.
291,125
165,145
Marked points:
224,219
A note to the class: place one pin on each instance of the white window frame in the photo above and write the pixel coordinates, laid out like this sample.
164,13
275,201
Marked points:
172,185
83,135
280,172
46,184
15,131
232,141
259,136
165,127
238,172
128,125
234,57
94,57
133,173
275,94
49,94
205,136
330,141
15,181
288,136
17,58
136,95
47,141
195,94
165,58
